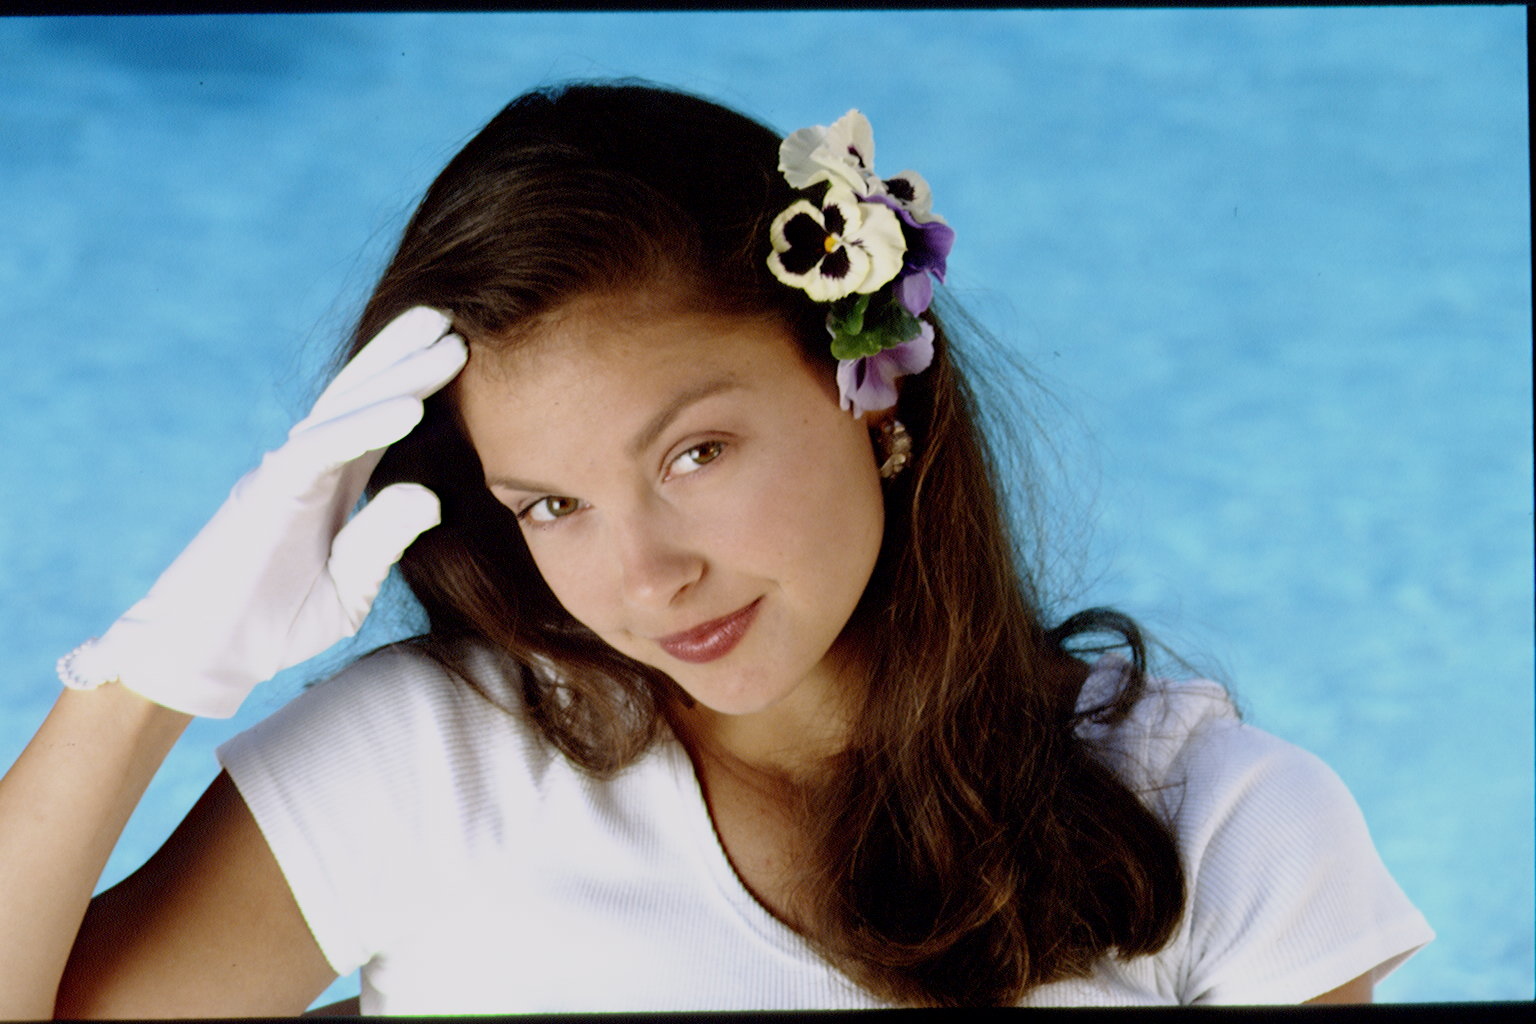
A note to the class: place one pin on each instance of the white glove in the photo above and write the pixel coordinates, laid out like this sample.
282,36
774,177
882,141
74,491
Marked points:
279,574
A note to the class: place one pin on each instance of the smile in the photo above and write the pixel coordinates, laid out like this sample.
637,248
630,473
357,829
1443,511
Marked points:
711,640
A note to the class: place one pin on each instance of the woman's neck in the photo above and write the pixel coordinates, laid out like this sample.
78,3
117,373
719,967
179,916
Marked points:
782,745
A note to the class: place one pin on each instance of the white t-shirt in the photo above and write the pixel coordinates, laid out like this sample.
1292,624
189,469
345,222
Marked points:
439,844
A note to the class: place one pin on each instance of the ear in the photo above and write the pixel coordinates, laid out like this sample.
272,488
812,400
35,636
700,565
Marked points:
876,419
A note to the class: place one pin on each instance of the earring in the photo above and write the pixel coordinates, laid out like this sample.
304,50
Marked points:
895,448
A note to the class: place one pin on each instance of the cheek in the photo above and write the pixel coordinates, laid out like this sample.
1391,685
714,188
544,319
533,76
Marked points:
822,514
573,574
851,528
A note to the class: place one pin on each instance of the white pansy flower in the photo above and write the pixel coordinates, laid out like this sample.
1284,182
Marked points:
911,190
843,154
837,248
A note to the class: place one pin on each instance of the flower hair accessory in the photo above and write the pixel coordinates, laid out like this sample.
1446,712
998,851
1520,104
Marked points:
867,246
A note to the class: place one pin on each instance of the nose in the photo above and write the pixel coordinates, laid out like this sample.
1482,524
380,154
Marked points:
656,561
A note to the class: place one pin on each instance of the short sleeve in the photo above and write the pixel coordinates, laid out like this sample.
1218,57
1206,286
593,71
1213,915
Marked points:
363,784
1288,896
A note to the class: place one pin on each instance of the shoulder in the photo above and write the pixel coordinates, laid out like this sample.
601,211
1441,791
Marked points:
402,674
395,727
400,687
1178,727
1287,895
1228,789
393,771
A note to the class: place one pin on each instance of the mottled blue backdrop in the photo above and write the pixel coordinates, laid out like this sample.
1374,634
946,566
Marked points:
1273,264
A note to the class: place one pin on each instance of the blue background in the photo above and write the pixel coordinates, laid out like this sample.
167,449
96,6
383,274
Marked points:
1274,266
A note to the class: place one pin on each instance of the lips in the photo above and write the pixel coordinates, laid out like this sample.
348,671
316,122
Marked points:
710,640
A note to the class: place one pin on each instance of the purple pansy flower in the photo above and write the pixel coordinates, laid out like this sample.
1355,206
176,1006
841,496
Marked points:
869,384
928,245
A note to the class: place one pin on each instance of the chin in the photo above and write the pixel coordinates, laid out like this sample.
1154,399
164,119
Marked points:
734,704
736,701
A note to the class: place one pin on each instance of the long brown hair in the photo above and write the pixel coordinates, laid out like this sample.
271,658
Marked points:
967,845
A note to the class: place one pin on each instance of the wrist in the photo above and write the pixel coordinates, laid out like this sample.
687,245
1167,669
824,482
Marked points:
115,705
94,689
131,658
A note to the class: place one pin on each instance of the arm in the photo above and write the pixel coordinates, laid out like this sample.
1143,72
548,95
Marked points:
278,575
344,1008
1361,990
207,927
63,805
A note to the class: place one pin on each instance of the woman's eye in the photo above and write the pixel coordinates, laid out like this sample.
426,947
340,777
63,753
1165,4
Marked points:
696,457
547,510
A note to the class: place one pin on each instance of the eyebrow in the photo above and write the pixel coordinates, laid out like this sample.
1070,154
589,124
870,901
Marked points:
646,435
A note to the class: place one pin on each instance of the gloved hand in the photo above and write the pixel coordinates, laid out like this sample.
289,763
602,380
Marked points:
279,574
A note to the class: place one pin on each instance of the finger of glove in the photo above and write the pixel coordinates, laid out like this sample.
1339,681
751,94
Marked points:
374,540
418,373
411,331
313,454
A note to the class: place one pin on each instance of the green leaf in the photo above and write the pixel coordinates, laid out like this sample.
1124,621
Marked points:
886,327
893,321
847,315
854,346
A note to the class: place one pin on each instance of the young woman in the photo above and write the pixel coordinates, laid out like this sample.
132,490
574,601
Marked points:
737,692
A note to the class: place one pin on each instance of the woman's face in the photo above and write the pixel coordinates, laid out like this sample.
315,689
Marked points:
691,492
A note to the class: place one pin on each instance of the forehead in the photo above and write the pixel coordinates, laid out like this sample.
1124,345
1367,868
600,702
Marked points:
609,343
605,366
